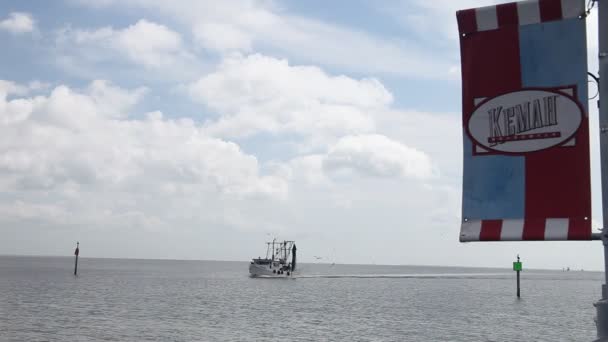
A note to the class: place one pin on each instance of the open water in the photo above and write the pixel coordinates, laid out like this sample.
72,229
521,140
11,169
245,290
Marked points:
161,300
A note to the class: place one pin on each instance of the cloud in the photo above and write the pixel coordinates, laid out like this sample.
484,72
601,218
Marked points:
431,18
244,26
87,139
17,109
146,43
257,93
221,37
18,22
146,51
352,50
309,170
437,134
10,88
82,157
378,156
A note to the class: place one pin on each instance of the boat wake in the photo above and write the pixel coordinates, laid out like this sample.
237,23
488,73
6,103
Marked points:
411,276
271,277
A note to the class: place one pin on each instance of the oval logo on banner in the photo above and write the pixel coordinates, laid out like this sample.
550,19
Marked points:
524,121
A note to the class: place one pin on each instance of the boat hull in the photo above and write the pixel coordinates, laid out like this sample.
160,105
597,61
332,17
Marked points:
265,271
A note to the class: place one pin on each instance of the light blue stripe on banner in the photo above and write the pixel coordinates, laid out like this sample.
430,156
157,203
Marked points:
494,185
563,42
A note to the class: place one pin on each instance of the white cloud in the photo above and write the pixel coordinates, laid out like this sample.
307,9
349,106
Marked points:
309,169
353,50
87,138
336,114
18,22
9,88
432,18
263,94
244,25
149,44
144,51
17,109
438,134
12,88
222,37
111,101
78,161
378,156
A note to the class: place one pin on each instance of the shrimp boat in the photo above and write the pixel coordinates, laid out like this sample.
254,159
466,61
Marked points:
280,260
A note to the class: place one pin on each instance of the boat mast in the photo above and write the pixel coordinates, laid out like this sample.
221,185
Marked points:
285,251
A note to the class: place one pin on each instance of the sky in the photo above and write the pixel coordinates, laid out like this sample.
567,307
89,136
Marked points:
194,129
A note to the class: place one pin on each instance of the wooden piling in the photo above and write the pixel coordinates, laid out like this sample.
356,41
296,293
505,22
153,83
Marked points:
518,291
76,252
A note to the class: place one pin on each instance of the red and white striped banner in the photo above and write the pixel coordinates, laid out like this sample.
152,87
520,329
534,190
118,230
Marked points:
525,122
518,13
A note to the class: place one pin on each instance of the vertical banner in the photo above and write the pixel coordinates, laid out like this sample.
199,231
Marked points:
525,122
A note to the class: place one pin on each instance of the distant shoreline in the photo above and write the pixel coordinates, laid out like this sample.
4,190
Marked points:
303,262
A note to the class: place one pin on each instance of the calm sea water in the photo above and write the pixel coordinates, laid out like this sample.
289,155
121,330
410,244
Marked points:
158,300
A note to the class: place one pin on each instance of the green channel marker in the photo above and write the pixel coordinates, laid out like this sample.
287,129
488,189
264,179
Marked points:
517,269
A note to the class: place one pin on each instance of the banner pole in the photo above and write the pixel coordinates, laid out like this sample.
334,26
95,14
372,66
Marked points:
602,305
